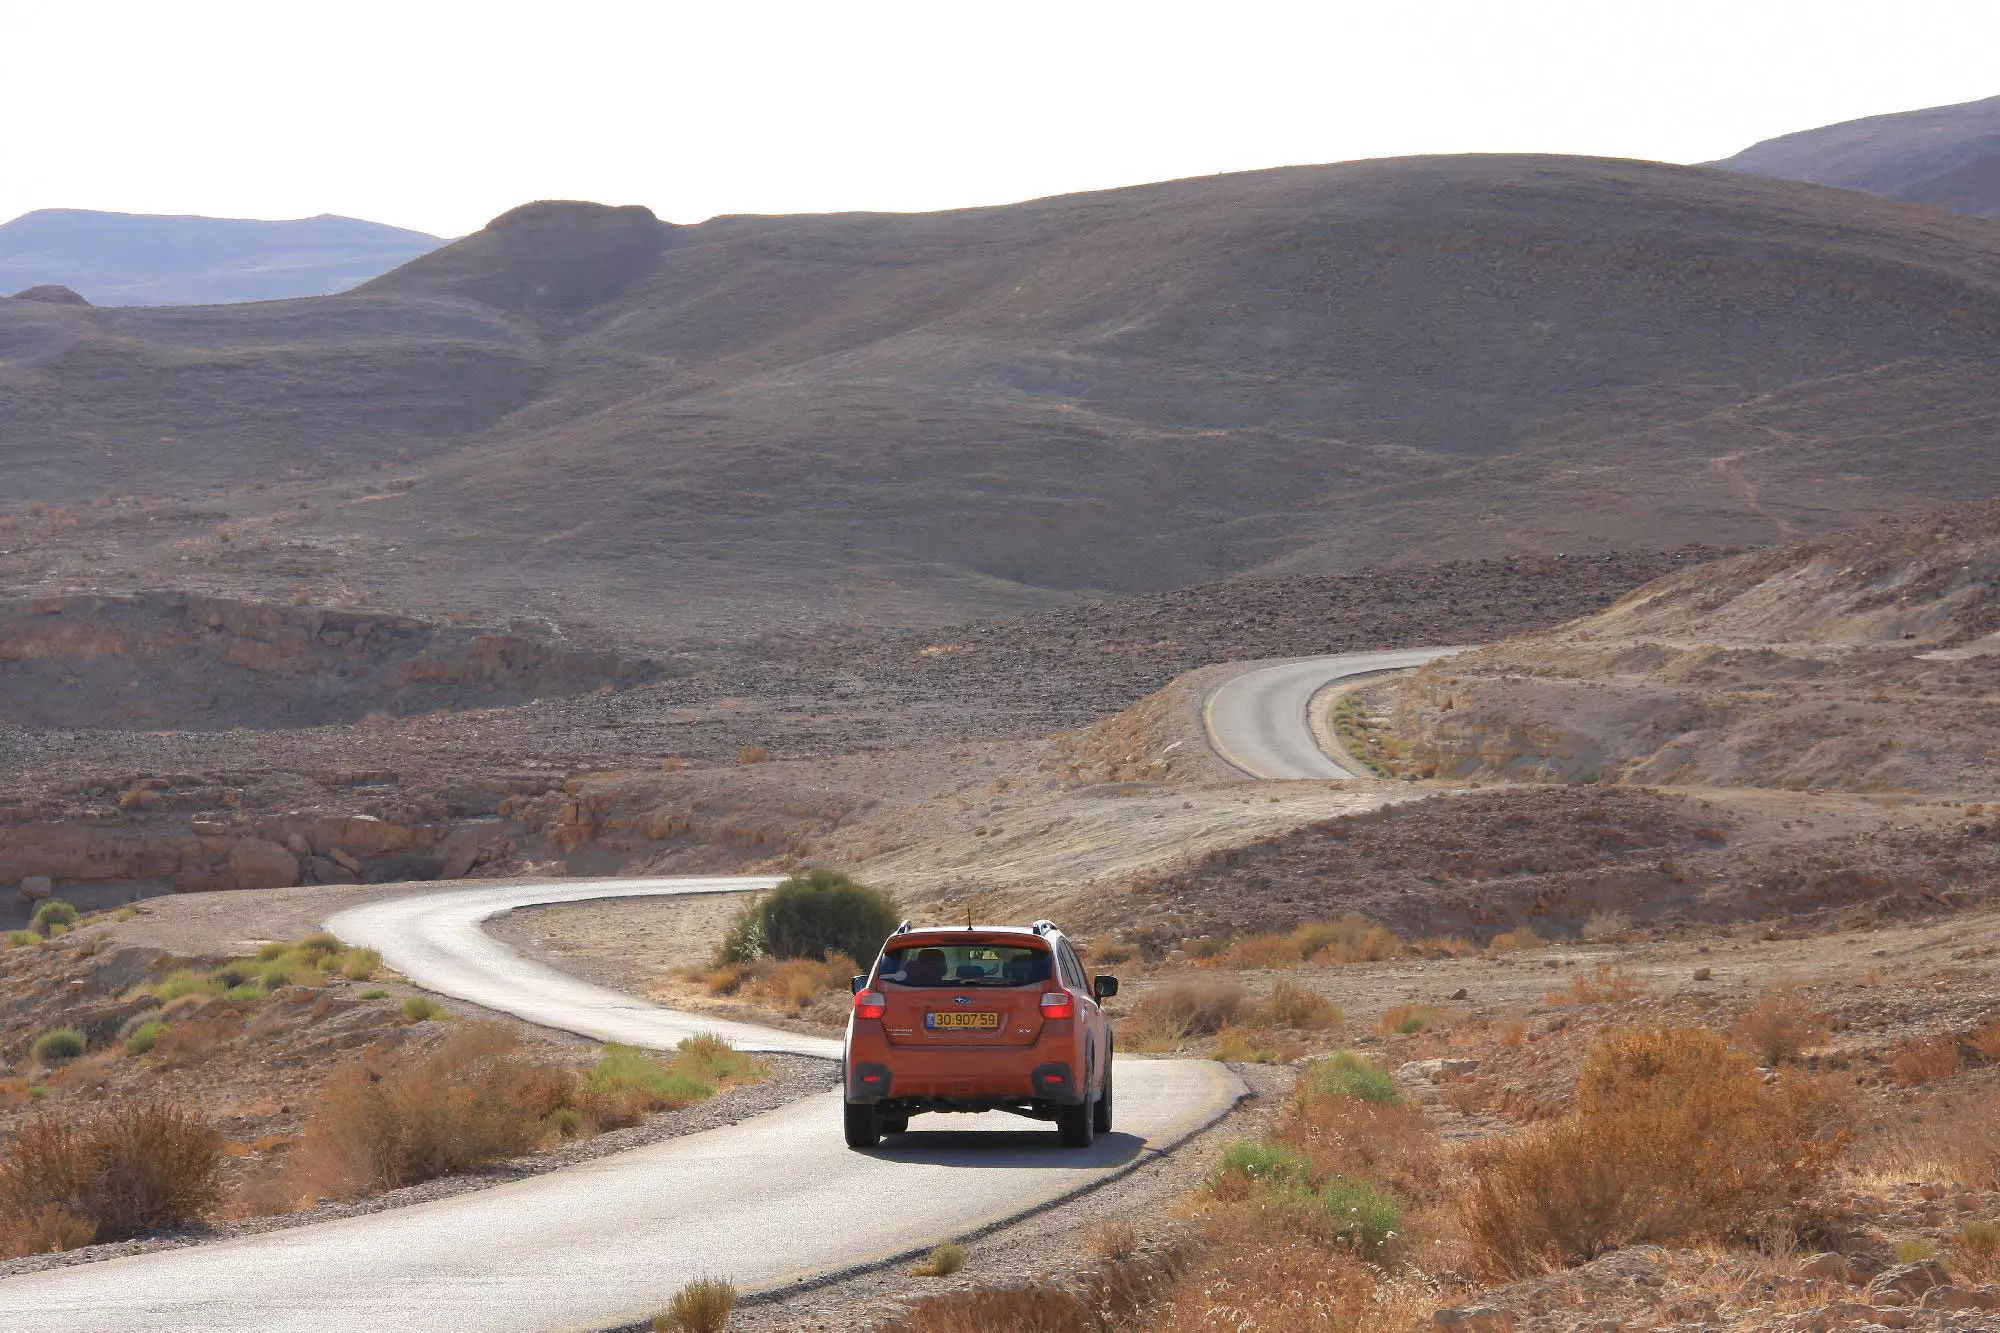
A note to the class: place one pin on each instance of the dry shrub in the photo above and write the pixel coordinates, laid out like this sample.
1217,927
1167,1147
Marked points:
126,1169
1107,1297
1408,1019
702,1306
1294,1006
753,754
386,1122
1512,941
945,1258
1607,983
1445,946
1987,1040
724,980
794,984
1115,1239
1175,1010
1780,1025
1675,1138
1926,1060
1348,940
1258,1272
1255,1046
42,1231
192,1041
1975,1252
1953,1137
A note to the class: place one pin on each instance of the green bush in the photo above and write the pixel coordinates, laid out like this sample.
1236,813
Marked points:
144,1036
1345,1074
376,993
420,1008
1256,1160
54,912
810,915
623,1069
19,938
1363,1217
58,1045
360,964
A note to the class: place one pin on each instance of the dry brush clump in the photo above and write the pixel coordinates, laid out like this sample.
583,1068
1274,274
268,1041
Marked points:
392,1119
1347,940
1675,1137
1780,1026
111,1173
1187,1006
702,1306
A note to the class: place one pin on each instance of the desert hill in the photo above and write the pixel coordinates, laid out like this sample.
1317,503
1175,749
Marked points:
1947,156
585,415
1857,661
149,259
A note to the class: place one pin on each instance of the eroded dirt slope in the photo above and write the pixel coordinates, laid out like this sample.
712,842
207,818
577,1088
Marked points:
1861,661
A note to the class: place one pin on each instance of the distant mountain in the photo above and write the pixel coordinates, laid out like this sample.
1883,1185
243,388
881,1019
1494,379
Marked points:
580,412
144,259
1946,156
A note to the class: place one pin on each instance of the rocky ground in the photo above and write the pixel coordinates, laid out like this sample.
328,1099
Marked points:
671,754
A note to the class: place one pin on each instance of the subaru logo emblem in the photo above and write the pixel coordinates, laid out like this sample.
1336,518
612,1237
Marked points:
961,999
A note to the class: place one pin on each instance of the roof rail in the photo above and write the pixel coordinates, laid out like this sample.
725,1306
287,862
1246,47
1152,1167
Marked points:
901,927
1043,927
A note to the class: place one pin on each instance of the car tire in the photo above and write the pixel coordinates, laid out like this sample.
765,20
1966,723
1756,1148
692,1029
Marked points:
1100,1118
1076,1125
862,1125
893,1124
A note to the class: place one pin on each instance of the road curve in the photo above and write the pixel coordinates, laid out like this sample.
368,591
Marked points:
434,939
770,1201
1257,721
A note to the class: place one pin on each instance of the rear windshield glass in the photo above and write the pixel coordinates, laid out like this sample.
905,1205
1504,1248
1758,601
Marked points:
965,965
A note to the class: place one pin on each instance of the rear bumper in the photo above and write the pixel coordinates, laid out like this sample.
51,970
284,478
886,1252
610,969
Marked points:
975,1079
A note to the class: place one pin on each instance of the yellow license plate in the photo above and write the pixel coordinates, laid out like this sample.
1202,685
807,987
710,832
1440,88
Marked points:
958,1020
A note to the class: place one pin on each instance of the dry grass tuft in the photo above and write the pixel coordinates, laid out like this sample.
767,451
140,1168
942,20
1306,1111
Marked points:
1116,1239
1926,1060
1512,941
1294,1006
1409,1019
1188,1006
1113,1295
1607,983
1348,940
702,1306
946,1258
120,1171
1675,1138
1780,1026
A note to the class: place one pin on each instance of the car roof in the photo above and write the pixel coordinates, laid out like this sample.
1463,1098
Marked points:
1027,933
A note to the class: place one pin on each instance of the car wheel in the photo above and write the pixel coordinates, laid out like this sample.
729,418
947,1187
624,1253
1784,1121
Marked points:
893,1124
862,1124
1100,1119
1076,1125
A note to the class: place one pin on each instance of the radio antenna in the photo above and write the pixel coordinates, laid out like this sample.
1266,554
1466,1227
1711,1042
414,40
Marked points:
968,917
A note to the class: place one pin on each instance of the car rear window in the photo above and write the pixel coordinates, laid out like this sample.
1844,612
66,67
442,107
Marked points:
966,965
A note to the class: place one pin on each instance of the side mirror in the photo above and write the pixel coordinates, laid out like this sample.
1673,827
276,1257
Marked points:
858,984
1104,987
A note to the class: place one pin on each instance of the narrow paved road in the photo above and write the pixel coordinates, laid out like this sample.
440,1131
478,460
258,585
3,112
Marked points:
1257,721
765,1202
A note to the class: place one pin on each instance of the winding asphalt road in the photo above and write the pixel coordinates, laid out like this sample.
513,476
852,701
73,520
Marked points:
768,1202
1257,721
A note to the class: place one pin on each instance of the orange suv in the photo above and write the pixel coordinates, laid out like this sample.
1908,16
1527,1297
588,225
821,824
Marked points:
978,1018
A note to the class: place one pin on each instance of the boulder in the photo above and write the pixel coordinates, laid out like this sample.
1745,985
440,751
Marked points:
1910,1281
257,864
34,888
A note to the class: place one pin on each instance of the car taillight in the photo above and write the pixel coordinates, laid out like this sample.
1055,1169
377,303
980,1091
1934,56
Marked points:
870,1004
1058,1004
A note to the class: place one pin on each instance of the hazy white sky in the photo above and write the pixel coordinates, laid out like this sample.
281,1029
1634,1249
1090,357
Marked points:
437,114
